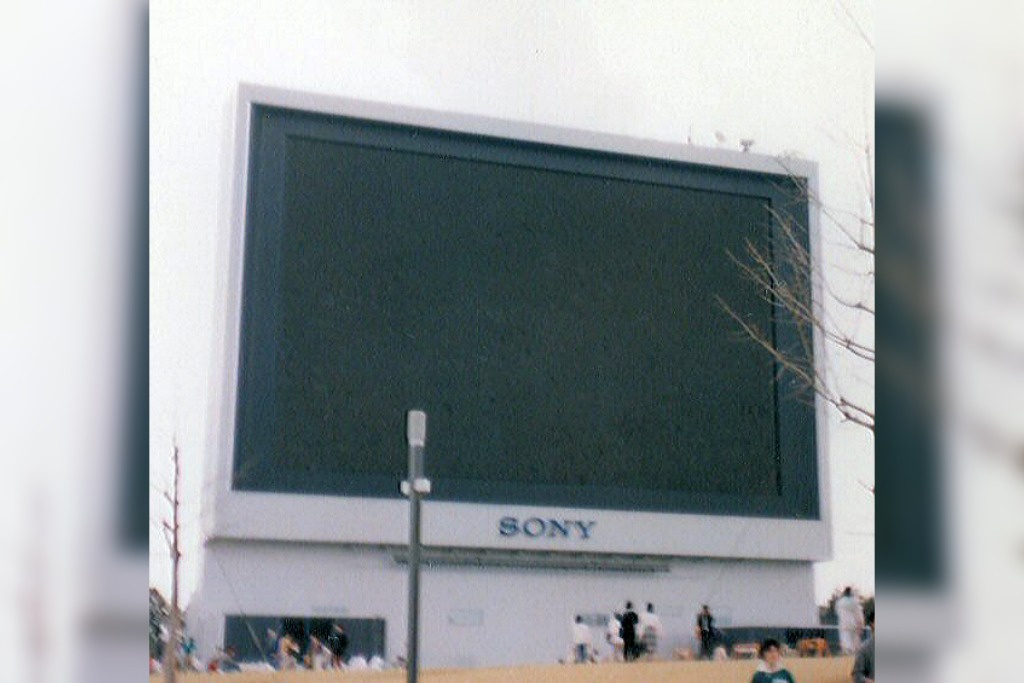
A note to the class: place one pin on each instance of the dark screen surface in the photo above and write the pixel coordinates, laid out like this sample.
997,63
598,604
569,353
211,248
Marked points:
910,541
552,310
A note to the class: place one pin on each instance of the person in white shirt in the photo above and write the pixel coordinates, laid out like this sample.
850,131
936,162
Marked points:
650,630
613,635
851,621
581,640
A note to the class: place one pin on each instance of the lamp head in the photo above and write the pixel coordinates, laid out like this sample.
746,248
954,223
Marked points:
416,428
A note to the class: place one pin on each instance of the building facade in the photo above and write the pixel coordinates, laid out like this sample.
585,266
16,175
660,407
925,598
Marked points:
722,499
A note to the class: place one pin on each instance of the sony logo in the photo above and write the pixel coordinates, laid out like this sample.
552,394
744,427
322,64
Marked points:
537,527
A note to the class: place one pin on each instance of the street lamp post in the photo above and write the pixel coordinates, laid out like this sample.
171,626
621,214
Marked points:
415,487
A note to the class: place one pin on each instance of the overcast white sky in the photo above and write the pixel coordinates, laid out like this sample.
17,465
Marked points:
794,76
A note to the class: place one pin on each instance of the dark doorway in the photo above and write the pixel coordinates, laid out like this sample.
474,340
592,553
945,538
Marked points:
247,634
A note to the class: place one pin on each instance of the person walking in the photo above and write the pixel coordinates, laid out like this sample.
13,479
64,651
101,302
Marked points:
581,640
851,621
613,635
706,631
650,632
630,646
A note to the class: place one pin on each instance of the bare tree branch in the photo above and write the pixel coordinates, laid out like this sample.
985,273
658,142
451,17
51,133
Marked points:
856,24
172,535
869,489
785,275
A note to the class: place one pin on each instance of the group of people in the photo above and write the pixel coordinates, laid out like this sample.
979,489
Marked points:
186,657
631,636
634,636
770,669
285,653
639,634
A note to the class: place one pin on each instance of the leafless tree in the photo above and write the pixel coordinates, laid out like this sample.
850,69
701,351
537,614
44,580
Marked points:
786,273
171,532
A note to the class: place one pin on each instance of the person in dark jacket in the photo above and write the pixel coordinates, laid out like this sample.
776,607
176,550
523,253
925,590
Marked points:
864,662
630,646
706,632
337,643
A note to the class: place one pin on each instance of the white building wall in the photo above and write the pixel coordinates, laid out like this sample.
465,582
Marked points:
474,616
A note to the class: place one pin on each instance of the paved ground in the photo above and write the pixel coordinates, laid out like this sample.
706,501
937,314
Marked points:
832,670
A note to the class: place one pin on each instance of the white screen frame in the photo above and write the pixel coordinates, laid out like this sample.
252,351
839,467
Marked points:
228,513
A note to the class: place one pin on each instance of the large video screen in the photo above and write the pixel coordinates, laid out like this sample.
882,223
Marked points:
555,311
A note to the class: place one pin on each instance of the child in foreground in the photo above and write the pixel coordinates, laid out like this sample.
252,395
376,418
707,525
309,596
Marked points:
770,670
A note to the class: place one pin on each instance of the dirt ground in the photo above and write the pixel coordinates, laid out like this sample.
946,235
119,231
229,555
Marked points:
828,670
